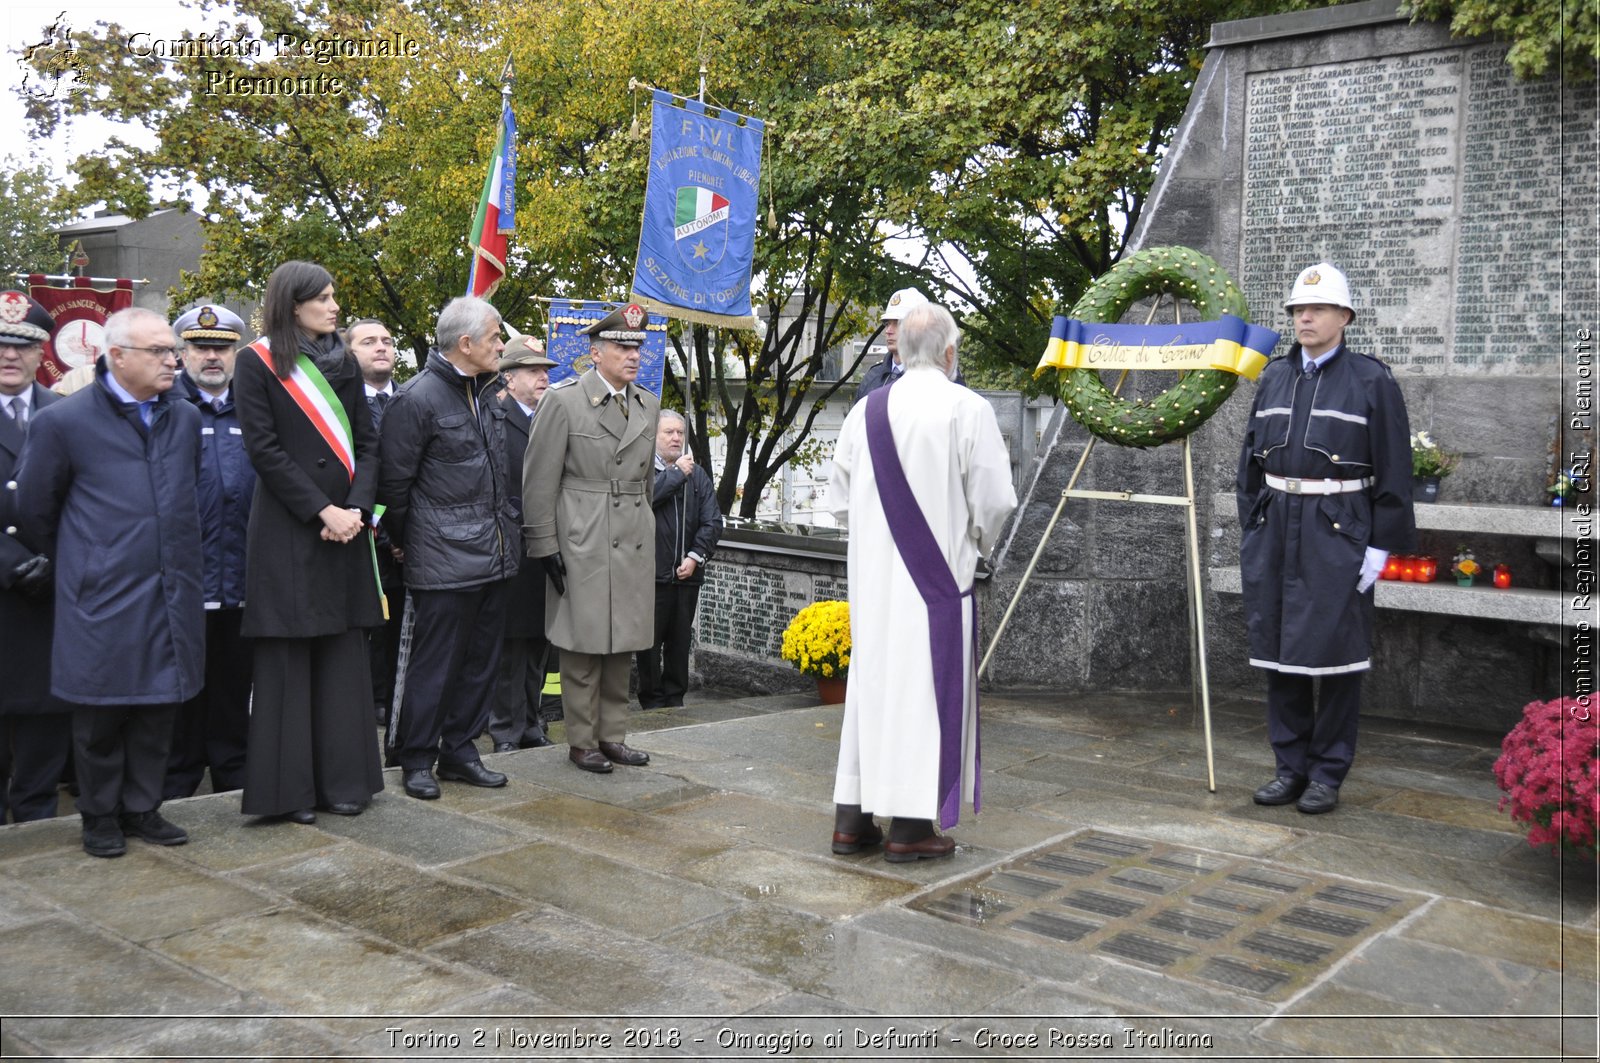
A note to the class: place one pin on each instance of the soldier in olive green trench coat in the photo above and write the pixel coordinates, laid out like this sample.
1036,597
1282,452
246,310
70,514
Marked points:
587,518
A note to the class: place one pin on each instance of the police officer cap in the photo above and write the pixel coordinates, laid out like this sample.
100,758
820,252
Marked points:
210,326
23,321
520,353
1322,283
901,302
624,325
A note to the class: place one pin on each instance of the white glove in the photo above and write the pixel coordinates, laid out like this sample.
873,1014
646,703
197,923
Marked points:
1371,568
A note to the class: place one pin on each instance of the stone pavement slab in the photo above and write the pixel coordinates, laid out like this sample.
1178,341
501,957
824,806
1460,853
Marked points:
695,899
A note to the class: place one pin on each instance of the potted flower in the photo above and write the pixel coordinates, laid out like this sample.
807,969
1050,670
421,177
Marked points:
1430,463
1549,766
1562,491
817,641
1466,567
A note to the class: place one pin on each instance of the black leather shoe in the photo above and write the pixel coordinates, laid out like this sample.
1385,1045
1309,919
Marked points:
102,836
473,773
345,808
589,759
420,784
1280,791
1318,798
303,816
538,741
618,753
153,828
506,747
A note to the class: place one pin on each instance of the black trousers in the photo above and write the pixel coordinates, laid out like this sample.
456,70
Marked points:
33,754
383,651
515,717
1313,738
311,736
213,726
451,674
121,755
664,667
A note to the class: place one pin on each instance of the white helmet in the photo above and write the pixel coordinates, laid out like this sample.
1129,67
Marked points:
1322,283
901,302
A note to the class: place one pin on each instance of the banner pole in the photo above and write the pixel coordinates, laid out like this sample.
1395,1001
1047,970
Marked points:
1197,613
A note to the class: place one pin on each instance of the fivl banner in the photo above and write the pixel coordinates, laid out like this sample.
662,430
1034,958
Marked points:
569,317
697,239
80,310
1229,344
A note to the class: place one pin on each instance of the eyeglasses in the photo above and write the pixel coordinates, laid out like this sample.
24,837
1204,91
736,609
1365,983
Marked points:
161,353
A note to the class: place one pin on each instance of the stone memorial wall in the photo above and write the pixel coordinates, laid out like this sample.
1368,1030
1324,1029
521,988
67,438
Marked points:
1461,202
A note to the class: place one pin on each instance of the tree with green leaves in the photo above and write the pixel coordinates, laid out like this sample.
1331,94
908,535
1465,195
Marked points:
29,214
1546,35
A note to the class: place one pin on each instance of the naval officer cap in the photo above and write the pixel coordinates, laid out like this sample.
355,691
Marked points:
624,325
23,321
525,352
209,326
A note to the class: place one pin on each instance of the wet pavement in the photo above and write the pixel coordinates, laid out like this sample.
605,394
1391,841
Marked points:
1104,905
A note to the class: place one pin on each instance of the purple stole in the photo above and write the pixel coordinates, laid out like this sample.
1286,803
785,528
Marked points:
920,552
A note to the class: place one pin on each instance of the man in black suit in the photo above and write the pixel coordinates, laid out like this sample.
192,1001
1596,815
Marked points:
514,722
369,340
35,728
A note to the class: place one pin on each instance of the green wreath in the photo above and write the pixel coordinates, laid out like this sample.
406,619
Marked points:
1173,414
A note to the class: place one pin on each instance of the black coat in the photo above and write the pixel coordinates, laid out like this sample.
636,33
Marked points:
25,622
687,520
227,483
391,574
1301,554
299,585
444,480
114,504
525,611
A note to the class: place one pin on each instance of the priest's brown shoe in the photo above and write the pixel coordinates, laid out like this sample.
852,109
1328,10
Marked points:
845,844
589,759
928,848
621,754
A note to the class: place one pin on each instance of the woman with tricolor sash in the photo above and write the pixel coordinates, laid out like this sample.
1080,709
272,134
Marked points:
310,583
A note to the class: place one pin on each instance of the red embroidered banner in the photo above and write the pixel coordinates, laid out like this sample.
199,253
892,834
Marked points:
80,311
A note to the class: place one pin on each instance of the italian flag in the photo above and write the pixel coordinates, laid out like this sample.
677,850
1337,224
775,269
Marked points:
698,208
496,213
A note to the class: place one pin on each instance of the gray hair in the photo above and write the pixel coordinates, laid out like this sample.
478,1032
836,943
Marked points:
465,315
925,332
119,326
675,415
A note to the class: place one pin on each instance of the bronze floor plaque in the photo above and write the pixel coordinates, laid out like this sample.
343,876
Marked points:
1206,917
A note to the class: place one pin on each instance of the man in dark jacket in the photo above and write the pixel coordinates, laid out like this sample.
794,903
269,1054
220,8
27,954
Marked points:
212,727
1324,493
443,480
108,488
688,525
515,722
369,340
35,728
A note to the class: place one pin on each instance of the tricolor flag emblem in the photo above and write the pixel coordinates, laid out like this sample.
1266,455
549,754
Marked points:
496,217
698,209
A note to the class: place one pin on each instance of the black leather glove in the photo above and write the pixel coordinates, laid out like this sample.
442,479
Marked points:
34,578
556,569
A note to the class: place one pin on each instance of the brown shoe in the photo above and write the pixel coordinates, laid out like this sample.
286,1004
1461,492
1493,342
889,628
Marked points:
589,759
845,844
929,848
621,754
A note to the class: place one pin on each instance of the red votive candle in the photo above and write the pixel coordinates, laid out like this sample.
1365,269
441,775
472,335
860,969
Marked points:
1502,576
1391,568
1427,569
1408,569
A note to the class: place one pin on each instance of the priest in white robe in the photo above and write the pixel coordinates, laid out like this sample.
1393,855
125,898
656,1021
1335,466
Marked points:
923,479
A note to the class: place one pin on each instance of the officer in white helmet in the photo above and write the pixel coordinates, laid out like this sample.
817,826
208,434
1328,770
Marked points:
1324,492
888,371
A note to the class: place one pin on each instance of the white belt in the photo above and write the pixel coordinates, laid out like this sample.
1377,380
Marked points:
1294,486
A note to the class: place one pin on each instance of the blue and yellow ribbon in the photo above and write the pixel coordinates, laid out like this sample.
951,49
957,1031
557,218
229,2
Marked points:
1229,344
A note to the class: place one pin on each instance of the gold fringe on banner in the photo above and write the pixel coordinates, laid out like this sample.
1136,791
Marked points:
699,317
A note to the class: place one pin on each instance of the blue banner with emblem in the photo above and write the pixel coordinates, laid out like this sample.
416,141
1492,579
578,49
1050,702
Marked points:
697,239
566,346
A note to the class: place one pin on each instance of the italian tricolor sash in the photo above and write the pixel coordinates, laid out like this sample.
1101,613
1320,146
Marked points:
311,392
